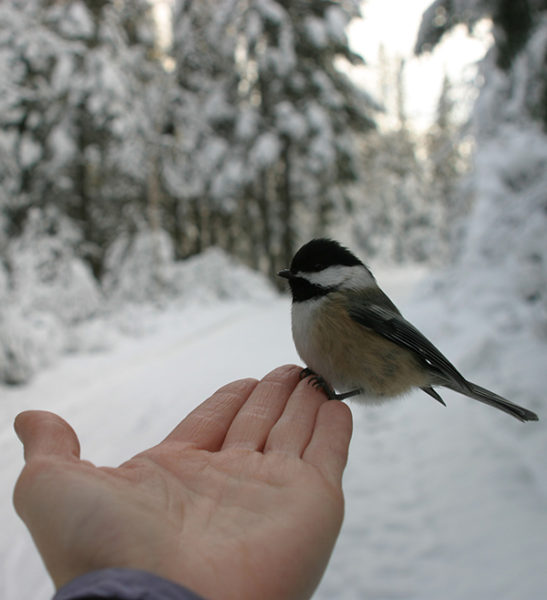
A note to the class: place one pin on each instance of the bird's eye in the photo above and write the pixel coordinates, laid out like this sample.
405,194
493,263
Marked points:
318,266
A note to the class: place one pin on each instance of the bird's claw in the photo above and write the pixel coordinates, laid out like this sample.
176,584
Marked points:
306,373
319,383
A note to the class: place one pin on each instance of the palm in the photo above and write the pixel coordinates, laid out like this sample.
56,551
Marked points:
241,500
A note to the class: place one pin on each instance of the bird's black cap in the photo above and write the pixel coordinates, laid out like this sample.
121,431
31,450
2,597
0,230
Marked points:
320,253
315,256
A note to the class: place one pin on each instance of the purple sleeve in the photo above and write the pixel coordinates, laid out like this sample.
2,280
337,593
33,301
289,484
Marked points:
123,584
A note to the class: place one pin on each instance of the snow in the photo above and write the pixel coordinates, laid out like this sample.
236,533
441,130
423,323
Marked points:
316,32
441,15
76,21
290,122
30,151
266,150
337,22
246,125
440,502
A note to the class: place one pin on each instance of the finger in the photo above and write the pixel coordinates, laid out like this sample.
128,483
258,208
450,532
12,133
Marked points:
329,443
206,425
45,434
293,430
254,421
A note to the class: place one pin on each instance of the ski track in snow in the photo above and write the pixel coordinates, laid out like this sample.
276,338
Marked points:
440,502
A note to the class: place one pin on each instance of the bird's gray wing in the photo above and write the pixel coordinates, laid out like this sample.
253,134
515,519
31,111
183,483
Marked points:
398,330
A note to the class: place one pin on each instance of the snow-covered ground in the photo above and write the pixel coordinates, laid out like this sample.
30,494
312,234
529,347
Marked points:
444,503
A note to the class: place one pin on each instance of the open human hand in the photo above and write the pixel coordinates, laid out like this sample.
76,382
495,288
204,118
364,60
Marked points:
241,500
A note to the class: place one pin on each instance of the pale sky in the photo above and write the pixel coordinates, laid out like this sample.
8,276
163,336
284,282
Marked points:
395,23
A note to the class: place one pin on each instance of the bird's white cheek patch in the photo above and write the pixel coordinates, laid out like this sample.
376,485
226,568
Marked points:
339,276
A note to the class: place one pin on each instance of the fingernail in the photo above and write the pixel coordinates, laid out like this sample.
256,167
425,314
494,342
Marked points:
16,428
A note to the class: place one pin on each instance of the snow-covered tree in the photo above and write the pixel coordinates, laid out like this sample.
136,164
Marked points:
401,212
308,110
514,66
74,118
390,216
506,231
446,164
266,121
75,132
202,173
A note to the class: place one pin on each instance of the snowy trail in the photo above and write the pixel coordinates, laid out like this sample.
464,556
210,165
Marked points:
440,502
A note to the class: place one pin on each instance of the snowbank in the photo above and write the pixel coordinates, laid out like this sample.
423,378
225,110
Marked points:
51,303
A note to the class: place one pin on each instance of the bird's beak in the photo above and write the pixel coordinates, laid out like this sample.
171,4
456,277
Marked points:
286,274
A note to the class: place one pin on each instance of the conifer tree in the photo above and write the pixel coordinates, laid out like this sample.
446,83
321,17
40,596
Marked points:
267,120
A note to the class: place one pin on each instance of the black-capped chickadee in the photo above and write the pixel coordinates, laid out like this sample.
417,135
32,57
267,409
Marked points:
354,339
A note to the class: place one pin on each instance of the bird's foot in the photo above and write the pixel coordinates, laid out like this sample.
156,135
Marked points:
318,382
306,373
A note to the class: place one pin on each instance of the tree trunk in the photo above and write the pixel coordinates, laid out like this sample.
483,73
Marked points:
287,210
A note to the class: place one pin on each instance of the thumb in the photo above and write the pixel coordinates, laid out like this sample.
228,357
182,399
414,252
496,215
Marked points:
45,434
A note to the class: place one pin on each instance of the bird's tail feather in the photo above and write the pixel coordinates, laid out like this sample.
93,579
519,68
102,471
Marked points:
487,397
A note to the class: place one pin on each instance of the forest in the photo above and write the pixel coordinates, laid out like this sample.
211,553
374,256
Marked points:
126,149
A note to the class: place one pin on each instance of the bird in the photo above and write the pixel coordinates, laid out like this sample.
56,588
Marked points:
354,339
